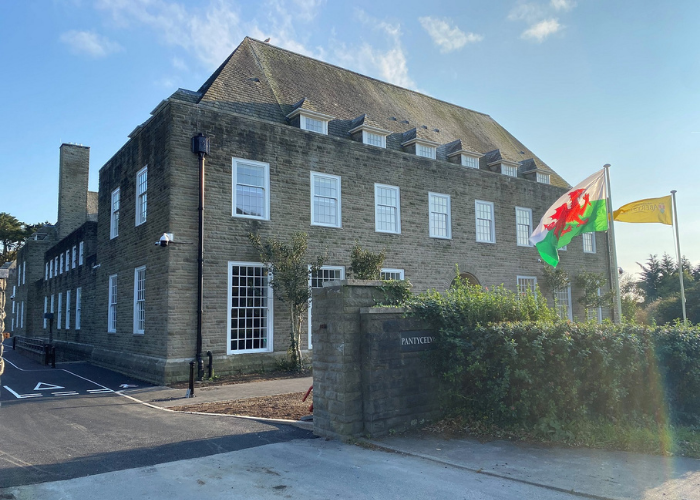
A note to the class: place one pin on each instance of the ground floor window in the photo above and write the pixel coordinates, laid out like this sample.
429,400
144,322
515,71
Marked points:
317,279
562,301
250,308
526,284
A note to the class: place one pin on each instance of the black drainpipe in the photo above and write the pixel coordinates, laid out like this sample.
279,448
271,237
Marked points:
200,146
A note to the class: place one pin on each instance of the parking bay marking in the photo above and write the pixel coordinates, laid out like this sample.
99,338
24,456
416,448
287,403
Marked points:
43,386
22,396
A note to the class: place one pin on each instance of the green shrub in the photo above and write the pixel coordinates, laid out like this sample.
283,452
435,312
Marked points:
366,265
508,360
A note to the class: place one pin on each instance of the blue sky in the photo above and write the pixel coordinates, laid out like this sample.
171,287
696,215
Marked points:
581,83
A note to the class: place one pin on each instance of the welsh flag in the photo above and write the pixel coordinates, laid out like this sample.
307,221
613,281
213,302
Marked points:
581,210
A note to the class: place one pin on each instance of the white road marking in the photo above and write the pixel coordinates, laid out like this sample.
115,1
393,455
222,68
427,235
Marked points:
99,391
21,396
67,393
42,386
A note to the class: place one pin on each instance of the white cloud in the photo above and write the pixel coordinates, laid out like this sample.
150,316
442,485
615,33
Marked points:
528,12
540,31
388,64
446,36
563,4
179,64
90,43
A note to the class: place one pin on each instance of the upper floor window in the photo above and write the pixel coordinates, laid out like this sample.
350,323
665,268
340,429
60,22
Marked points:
61,260
523,226
589,242
373,139
470,161
325,200
81,247
251,189
67,260
46,272
485,230
387,209
440,215
391,274
141,195
509,170
55,266
426,151
313,124
24,273
75,257
114,219
542,178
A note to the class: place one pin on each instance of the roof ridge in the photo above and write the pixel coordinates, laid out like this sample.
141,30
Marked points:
361,75
263,70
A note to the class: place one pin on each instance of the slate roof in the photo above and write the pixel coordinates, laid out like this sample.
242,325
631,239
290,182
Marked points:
262,80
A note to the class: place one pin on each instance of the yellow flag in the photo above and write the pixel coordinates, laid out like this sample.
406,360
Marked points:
649,210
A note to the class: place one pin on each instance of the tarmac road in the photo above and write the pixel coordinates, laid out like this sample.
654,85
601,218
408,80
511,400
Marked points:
70,422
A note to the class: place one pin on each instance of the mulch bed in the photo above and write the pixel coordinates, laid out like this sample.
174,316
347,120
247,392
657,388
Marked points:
283,406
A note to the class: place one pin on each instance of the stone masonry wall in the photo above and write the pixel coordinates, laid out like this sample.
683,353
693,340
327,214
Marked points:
365,383
74,170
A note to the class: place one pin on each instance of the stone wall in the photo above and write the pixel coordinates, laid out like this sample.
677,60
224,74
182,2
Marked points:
74,170
367,381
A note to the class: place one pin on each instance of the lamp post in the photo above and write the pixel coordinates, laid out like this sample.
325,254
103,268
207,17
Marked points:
200,146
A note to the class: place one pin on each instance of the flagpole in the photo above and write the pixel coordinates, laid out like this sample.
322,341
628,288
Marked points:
615,282
679,255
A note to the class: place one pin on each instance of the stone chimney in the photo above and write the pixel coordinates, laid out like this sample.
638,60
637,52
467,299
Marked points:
74,171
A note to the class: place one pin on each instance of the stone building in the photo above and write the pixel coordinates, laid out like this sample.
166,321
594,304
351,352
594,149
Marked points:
296,145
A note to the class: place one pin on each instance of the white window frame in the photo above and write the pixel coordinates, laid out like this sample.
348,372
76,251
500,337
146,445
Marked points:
51,269
24,272
373,139
60,257
265,187
492,221
46,272
509,170
112,304
269,309
523,239
588,247
68,260
566,303
323,280
522,283
469,161
115,205
306,121
139,304
59,313
78,306
52,302
141,196
386,271
55,267
431,222
74,257
542,178
339,210
46,309
397,207
425,151
67,309
596,313
81,259
21,316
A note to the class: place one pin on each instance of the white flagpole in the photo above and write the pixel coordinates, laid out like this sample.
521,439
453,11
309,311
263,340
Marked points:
679,255
615,281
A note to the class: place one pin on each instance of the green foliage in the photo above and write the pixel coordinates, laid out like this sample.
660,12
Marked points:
396,293
290,281
466,306
12,234
590,283
365,265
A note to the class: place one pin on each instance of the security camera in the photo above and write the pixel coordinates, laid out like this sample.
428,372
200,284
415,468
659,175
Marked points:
620,271
165,240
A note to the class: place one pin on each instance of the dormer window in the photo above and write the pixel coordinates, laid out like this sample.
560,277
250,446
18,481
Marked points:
426,151
469,161
373,139
314,125
542,178
311,120
509,170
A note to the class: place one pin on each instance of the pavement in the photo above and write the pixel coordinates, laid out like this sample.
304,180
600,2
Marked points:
405,466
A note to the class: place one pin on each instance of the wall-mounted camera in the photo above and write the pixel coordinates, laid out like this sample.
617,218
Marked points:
165,240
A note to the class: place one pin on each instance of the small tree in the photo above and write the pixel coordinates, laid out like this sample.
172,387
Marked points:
365,265
590,283
290,282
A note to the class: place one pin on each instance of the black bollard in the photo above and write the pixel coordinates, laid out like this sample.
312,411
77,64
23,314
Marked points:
53,356
190,391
